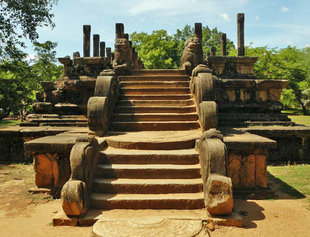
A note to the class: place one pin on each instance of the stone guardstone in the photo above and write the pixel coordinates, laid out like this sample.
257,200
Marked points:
149,226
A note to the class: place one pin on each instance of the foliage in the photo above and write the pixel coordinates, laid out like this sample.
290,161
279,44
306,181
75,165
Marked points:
161,50
20,20
210,38
16,82
288,63
44,65
158,50
20,79
4,123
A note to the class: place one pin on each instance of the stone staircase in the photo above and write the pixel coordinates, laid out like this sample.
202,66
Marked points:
150,161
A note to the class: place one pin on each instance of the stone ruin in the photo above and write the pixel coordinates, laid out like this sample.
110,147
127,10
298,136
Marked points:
64,102
109,134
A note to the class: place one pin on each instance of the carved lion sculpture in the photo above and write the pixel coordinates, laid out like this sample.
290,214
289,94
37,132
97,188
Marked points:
192,55
122,56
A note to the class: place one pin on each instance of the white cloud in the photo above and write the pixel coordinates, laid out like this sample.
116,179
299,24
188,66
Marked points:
307,46
284,9
257,18
225,17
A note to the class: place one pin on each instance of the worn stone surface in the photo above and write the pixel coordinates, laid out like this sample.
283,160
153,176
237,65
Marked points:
74,198
97,113
261,171
220,198
293,143
242,170
149,227
191,57
202,86
123,59
208,115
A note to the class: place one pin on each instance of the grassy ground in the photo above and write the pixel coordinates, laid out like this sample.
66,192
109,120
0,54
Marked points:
300,119
293,179
8,122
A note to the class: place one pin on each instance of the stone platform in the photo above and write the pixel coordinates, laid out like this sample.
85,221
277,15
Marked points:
94,215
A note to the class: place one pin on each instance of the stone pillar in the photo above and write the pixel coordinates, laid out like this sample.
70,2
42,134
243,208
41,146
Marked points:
198,34
224,53
240,32
102,49
96,40
212,51
86,40
126,36
109,53
119,30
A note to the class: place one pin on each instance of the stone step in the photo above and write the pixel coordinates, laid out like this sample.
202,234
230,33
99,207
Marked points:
155,97
154,84
154,140
155,102
59,120
158,72
147,186
65,124
154,117
154,125
149,171
125,156
148,201
185,143
155,109
155,78
165,91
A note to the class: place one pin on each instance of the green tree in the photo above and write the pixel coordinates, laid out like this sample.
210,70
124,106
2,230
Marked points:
157,50
20,79
288,63
16,92
44,64
19,20
210,38
161,50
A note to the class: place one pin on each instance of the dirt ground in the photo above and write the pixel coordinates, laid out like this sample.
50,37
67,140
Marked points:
24,214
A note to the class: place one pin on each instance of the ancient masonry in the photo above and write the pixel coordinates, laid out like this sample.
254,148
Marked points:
117,136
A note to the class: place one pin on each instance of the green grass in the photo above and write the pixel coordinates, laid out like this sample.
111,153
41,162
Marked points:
295,179
9,122
300,119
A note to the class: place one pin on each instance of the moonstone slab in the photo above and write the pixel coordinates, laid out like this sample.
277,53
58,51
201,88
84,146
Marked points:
151,226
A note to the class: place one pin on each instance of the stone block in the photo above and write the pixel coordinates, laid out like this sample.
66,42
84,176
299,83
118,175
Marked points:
51,170
234,164
220,197
46,169
275,95
231,95
247,171
261,171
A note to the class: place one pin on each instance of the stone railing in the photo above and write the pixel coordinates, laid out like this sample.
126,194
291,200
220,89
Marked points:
76,191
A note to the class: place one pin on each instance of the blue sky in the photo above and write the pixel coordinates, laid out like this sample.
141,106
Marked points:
275,23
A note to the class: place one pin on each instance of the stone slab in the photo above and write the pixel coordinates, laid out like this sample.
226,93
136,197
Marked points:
237,140
149,226
278,131
51,144
93,215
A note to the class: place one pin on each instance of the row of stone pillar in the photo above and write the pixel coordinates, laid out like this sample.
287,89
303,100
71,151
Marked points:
120,33
99,48
240,37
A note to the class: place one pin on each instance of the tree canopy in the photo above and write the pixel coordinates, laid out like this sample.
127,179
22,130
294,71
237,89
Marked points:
161,50
19,20
20,78
289,63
